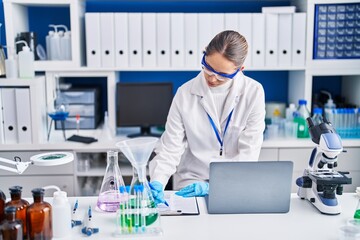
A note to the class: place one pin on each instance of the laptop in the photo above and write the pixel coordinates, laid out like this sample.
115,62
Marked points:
249,187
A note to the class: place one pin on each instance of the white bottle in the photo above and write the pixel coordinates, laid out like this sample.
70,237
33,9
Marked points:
26,61
47,39
290,112
55,45
65,43
11,68
61,215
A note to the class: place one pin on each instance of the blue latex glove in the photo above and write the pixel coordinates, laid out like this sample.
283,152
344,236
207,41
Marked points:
198,189
157,190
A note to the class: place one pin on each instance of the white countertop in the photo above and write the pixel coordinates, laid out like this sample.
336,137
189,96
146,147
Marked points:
303,221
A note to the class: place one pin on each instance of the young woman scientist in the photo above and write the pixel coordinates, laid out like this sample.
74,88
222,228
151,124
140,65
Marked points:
220,114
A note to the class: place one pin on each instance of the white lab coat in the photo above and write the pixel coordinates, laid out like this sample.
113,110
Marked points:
189,143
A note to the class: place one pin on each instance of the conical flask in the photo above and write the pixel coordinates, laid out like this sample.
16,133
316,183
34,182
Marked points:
139,215
110,198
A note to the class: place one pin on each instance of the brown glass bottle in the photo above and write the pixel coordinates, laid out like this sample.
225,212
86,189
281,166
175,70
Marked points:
10,228
39,223
2,205
20,204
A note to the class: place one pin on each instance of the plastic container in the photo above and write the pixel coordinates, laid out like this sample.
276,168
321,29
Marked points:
301,114
329,107
54,43
290,112
349,233
317,117
39,217
47,39
20,204
26,62
65,44
61,217
11,67
11,228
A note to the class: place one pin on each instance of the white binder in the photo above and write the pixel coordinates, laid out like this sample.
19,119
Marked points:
135,40
107,36
149,39
245,28
2,137
121,40
205,32
9,114
271,39
299,39
23,113
163,39
285,34
92,36
191,40
177,30
258,40
231,21
217,23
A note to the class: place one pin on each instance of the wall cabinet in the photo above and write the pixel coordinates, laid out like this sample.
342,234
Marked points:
300,85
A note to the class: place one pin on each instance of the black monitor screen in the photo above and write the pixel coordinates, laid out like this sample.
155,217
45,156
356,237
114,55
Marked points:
143,104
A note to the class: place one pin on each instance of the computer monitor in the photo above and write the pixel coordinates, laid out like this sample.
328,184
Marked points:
144,105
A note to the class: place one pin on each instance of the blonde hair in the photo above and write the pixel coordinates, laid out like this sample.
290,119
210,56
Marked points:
231,44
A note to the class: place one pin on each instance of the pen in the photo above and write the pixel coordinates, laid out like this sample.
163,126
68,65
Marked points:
152,187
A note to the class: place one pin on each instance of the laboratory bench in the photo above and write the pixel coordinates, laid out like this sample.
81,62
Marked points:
303,221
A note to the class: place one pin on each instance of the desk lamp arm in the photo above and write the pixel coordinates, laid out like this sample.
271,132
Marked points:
19,168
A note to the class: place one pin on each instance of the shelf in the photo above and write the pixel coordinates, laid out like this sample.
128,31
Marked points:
161,69
17,21
126,170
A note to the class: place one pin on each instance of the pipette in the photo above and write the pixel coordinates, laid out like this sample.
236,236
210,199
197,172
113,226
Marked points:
88,228
74,221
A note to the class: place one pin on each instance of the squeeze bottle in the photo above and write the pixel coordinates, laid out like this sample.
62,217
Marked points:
26,61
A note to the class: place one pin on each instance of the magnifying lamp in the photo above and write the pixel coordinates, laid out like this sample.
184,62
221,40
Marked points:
43,159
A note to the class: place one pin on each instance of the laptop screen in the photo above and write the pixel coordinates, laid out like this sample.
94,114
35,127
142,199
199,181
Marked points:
250,187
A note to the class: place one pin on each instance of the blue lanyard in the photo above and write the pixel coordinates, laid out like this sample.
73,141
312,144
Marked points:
217,132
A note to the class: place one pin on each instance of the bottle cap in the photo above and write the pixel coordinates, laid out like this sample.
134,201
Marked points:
15,189
38,191
26,48
292,105
302,102
61,194
10,209
318,111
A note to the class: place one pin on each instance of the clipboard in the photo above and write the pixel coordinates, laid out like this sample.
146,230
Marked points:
178,206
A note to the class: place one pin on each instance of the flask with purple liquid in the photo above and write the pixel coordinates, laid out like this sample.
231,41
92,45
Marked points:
109,198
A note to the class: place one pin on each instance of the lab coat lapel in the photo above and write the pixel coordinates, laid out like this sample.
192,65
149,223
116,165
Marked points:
233,98
207,102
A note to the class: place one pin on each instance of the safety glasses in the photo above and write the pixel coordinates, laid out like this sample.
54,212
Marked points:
218,75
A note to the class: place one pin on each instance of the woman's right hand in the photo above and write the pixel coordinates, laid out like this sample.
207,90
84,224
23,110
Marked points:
157,190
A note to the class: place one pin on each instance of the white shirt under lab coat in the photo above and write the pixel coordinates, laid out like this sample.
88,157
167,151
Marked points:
189,143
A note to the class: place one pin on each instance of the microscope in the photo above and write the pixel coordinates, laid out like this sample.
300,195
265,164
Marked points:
320,183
